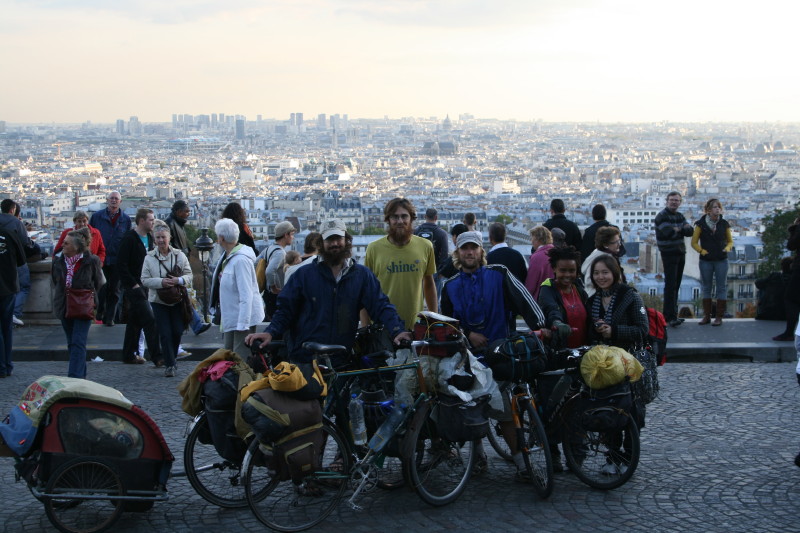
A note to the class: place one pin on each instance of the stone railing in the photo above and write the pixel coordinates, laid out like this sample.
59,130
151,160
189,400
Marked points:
39,307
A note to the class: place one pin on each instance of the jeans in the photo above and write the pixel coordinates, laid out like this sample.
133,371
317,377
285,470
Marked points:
673,273
197,321
77,332
6,327
140,317
714,270
109,295
24,275
170,329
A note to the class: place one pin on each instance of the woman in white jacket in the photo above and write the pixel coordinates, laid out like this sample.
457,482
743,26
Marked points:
158,270
234,290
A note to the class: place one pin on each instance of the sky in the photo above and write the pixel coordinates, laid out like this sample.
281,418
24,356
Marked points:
69,61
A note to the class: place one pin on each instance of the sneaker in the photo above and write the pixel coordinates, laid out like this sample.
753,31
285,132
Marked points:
140,360
783,337
481,466
675,323
17,321
203,328
183,355
170,371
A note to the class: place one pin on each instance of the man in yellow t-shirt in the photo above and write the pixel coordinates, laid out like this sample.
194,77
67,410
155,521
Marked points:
404,263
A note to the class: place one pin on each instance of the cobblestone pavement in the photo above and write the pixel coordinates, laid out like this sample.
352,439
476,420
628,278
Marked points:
717,455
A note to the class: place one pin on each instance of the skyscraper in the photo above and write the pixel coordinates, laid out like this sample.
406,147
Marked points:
322,121
120,127
240,128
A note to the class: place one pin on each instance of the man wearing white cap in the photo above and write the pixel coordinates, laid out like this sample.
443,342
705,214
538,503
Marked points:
322,300
481,296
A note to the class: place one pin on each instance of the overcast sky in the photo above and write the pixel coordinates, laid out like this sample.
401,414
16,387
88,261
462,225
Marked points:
556,60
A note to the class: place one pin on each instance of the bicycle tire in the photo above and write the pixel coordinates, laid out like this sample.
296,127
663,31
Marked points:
497,442
76,480
284,506
603,460
438,470
536,451
216,479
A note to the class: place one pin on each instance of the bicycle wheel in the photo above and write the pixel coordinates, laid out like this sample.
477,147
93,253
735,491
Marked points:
284,506
536,451
216,479
66,505
437,469
497,441
602,459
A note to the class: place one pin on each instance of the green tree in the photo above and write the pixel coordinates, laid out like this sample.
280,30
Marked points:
504,219
192,233
373,230
774,238
654,301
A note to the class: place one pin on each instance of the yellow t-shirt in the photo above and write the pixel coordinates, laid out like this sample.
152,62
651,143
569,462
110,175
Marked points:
400,270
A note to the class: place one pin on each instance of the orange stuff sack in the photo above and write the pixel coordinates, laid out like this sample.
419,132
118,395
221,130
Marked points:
606,366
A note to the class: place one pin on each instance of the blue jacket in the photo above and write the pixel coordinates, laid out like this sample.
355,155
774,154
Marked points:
112,233
313,306
482,301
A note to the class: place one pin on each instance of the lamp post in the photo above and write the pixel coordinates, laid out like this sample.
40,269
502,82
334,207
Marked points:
204,244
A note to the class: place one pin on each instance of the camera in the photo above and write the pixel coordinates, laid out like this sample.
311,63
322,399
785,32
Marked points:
598,324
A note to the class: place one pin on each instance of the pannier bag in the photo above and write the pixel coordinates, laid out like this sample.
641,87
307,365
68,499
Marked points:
605,366
519,357
219,400
288,427
459,421
607,409
435,327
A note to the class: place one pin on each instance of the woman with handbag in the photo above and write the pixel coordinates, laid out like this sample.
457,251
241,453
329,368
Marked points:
166,272
77,277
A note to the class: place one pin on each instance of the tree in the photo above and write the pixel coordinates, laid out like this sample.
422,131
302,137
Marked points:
504,219
373,230
774,239
655,301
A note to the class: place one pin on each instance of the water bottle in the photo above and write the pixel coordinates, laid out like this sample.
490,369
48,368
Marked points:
357,426
388,428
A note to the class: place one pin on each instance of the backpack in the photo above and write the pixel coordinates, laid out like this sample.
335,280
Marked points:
289,430
657,335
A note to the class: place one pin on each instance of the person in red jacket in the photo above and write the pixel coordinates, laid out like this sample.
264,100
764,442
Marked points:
81,220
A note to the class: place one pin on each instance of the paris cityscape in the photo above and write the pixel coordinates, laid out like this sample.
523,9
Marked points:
332,166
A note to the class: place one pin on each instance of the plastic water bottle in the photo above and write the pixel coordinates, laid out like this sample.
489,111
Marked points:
357,425
388,428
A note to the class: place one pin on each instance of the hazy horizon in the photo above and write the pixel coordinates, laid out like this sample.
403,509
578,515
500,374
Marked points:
583,61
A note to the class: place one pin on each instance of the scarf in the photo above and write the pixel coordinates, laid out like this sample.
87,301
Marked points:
72,263
597,305
711,224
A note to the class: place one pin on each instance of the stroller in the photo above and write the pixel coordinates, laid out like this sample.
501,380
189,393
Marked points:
86,452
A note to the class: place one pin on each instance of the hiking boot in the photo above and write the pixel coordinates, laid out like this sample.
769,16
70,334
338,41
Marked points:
170,371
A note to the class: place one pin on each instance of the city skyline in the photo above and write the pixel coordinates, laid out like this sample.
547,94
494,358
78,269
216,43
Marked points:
580,60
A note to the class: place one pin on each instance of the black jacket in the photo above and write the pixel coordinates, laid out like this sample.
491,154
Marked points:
553,305
629,322
573,234
512,260
12,255
434,233
130,258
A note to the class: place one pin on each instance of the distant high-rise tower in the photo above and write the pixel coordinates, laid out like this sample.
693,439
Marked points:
175,121
120,127
293,119
214,120
299,119
134,126
322,122
240,129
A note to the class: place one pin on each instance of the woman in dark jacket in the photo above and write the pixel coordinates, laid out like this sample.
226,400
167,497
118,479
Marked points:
712,239
562,299
616,310
77,268
236,212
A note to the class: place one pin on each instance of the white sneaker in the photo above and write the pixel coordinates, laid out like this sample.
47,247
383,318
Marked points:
18,322
183,354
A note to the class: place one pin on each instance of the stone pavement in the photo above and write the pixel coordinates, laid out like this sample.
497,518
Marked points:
717,456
